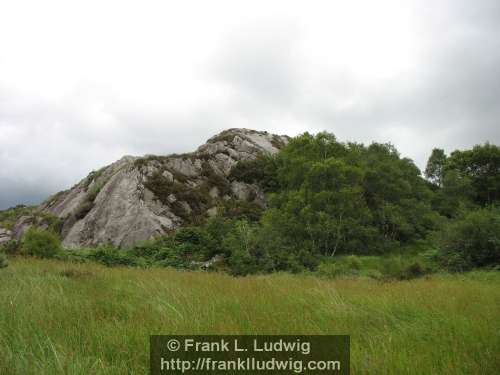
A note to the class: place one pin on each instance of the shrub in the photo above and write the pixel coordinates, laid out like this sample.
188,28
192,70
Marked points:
353,262
41,243
112,256
237,210
414,270
401,267
343,266
260,171
215,179
330,270
9,217
471,240
3,261
10,247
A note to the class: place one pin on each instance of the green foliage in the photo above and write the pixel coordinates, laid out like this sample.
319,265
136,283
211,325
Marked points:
277,142
471,240
347,198
236,210
388,267
60,318
10,247
93,176
480,167
455,195
144,161
40,243
331,206
112,256
261,171
9,217
3,260
435,166
466,179
225,136
52,222
346,266
240,243
215,179
197,198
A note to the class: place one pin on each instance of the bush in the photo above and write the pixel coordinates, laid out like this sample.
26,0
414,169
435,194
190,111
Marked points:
237,210
10,247
112,256
260,171
382,267
414,270
3,260
471,240
41,243
343,266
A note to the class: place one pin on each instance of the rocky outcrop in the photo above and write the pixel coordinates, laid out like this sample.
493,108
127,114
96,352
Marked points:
138,198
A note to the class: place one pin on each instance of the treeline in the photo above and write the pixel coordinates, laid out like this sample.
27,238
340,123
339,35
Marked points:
327,200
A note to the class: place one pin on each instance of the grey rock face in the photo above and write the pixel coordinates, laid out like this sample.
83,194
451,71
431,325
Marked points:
22,226
26,222
139,198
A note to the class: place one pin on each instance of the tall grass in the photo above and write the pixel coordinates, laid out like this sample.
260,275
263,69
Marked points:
64,318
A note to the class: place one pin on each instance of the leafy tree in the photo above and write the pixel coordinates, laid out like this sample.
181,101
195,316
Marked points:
471,240
480,166
435,166
455,195
346,198
240,243
261,170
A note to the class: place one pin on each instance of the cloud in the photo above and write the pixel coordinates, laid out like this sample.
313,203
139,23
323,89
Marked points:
159,78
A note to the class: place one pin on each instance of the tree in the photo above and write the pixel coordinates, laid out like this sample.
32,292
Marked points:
471,240
240,243
481,166
435,166
339,198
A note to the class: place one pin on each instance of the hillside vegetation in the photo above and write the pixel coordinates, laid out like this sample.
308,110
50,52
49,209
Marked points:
325,200
62,318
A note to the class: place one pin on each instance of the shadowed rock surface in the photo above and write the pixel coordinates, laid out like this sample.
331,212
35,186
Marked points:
138,198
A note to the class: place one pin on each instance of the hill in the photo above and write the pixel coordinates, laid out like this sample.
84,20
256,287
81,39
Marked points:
138,198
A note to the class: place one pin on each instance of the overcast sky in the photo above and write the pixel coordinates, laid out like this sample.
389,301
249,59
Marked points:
83,83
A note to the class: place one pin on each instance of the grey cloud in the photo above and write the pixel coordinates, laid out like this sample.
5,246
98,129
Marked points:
261,66
450,100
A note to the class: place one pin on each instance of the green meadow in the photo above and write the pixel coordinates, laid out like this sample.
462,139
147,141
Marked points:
83,318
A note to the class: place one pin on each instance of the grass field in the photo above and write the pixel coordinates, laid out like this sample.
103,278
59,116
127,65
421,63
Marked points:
64,318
